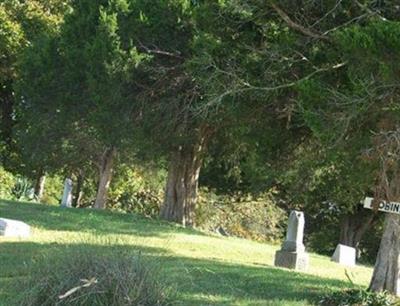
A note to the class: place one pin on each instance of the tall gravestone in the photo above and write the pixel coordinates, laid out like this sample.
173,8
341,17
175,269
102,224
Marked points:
67,195
292,255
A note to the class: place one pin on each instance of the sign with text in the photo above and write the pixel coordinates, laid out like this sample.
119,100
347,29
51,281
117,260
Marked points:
390,207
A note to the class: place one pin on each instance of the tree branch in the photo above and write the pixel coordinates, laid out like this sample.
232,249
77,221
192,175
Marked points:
160,52
295,25
246,87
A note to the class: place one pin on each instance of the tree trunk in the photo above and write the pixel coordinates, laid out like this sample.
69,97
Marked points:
354,226
182,182
106,168
39,185
78,191
386,271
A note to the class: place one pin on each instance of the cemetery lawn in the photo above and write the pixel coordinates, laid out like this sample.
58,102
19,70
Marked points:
207,269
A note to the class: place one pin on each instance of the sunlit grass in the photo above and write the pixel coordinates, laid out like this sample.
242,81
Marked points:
207,270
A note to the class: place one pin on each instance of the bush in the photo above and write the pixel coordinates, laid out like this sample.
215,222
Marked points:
7,182
241,215
90,278
22,190
134,190
53,189
357,297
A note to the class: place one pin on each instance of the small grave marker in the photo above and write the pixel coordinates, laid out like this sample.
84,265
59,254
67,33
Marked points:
344,255
14,228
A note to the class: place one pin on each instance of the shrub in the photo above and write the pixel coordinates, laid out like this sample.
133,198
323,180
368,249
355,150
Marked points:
7,182
358,297
241,215
22,190
53,189
90,278
134,190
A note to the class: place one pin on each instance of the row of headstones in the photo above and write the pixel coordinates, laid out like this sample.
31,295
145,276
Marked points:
292,254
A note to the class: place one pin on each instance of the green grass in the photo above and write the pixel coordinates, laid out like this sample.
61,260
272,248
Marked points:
207,270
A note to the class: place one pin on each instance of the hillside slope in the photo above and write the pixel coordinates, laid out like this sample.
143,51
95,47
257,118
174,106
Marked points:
207,270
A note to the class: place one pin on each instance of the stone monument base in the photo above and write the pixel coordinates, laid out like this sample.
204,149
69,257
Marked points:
292,260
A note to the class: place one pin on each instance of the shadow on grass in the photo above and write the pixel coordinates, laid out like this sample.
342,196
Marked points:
235,282
198,281
87,220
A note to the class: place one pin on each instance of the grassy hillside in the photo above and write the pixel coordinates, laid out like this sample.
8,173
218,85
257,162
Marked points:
208,270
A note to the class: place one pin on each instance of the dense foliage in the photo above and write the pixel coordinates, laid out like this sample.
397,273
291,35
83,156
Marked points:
7,182
241,215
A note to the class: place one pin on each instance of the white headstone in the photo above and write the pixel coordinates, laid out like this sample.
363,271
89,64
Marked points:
14,228
67,195
295,233
344,255
292,254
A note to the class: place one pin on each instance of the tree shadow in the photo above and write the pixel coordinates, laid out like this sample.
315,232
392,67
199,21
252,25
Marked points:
198,281
235,282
